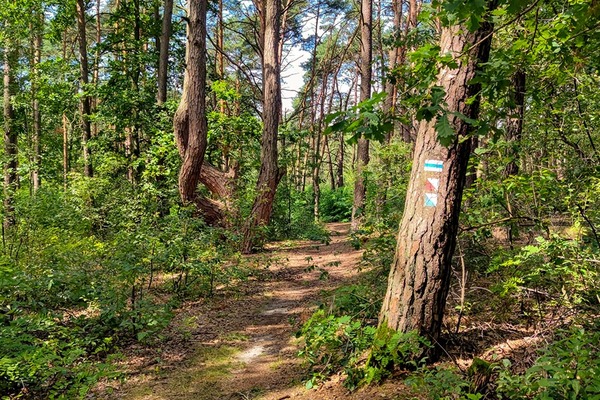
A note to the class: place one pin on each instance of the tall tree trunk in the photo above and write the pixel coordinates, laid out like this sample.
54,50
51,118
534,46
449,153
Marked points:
163,59
37,116
340,161
269,174
318,158
514,123
85,99
394,55
190,123
362,152
10,139
420,275
65,132
330,164
96,73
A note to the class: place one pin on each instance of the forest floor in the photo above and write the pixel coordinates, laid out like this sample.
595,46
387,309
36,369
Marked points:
243,346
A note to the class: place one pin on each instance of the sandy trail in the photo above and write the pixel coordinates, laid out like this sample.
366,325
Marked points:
244,348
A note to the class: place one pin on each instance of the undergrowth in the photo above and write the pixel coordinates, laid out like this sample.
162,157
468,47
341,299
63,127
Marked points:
85,273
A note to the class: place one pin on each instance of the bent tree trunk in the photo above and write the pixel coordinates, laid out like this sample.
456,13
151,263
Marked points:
190,123
420,275
269,175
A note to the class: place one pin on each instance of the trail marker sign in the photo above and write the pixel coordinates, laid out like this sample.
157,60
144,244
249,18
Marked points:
432,185
433,165
430,199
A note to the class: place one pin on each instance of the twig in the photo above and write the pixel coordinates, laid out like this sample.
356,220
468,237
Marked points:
463,284
499,221
590,223
486,37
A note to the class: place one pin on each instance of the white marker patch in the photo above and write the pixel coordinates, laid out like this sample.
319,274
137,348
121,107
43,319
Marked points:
430,199
434,165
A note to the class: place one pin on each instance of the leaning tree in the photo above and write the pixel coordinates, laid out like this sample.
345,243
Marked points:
420,275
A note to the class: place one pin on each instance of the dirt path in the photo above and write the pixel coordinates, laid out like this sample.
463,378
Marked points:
244,347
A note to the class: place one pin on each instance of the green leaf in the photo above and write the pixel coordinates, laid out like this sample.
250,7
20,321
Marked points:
445,132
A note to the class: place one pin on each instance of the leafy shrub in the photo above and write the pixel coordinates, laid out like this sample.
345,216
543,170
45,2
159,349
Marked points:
568,369
336,205
563,269
363,301
442,383
78,279
365,353
293,217
51,359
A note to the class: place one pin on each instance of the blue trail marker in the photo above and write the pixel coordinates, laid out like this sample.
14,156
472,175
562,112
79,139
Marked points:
430,199
433,165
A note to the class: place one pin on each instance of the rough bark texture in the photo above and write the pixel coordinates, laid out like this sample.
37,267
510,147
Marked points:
394,57
190,123
514,123
269,175
420,275
10,139
340,162
37,116
163,60
362,152
85,100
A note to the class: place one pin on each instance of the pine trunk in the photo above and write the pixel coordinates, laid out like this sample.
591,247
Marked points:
85,99
514,123
37,116
190,123
269,174
362,152
10,139
163,60
420,275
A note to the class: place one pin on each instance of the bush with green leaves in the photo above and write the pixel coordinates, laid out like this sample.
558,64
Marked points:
293,216
336,204
568,369
365,353
563,271
79,277
442,383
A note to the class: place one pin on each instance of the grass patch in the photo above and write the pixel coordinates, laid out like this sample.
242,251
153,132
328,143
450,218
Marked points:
200,378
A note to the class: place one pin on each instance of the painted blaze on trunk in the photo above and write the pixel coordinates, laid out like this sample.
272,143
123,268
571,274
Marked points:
420,275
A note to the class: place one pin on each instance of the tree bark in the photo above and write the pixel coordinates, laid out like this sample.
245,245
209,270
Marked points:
269,175
37,116
514,123
96,72
163,59
420,275
190,123
85,99
10,138
340,161
362,152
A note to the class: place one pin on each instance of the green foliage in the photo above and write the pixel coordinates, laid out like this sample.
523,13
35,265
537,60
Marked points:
363,120
365,353
387,180
568,369
442,383
293,217
336,205
563,268
78,279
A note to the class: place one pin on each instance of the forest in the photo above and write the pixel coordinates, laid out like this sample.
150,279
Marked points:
308,199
